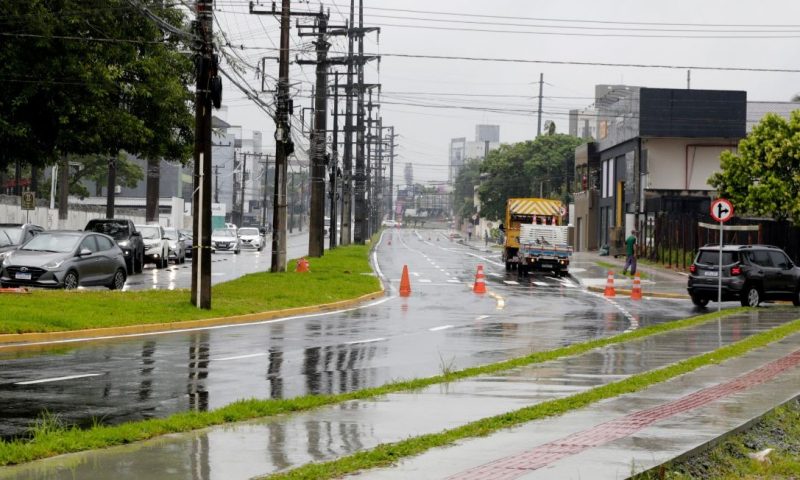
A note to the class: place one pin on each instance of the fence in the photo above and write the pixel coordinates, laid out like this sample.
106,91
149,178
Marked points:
673,239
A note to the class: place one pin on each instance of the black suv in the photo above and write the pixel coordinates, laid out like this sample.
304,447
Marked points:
127,237
750,274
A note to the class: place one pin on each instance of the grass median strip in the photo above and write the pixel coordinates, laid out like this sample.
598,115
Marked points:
339,275
386,454
50,439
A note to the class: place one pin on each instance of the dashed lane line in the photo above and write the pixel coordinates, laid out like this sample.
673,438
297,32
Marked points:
58,379
443,327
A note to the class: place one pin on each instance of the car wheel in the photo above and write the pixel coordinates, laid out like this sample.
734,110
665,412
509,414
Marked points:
129,265
118,281
236,252
699,301
71,280
751,296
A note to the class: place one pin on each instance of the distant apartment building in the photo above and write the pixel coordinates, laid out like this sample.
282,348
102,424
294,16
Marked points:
487,138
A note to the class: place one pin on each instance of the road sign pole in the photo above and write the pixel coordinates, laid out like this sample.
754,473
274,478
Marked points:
719,278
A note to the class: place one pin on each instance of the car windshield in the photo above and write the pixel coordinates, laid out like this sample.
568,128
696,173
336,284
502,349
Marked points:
53,242
248,231
711,257
116,230
223,232
170,234
150,233
10,236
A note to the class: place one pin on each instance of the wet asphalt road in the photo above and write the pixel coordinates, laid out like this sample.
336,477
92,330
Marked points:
442,325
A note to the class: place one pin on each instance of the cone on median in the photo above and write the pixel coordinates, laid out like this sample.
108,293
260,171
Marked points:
405,284
302,266
636,292
480,281
610,291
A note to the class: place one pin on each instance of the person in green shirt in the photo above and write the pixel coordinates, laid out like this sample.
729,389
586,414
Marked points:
630,252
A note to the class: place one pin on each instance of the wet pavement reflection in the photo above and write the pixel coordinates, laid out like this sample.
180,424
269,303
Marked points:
257,448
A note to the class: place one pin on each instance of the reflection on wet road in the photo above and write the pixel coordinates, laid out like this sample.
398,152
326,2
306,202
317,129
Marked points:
442,325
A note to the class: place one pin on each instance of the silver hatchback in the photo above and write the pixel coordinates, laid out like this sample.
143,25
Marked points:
65,259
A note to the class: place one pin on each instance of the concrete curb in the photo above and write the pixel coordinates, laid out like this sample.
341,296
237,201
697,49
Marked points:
626,292
20,340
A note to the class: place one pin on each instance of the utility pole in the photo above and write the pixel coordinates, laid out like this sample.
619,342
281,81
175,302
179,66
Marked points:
539,122
347,185
316,230
334,192
379,177
235,191
216,183
688,79
264,201
283,146
208,90
244,184
360,233
391,170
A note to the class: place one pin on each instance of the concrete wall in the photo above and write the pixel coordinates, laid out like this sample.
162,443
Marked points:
79,215
682,163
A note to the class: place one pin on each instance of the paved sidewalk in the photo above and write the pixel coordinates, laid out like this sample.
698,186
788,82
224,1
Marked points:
576,445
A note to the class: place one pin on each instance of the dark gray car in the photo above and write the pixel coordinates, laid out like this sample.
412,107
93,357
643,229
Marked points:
12,235
65,259
750,274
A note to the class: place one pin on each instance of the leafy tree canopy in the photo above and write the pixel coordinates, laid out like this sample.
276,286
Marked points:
763,176
92,77
542,167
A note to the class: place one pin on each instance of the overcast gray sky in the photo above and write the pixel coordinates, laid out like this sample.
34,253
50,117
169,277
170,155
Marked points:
657,33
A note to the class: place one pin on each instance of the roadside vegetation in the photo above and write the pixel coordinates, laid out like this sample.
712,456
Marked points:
341,274
770,449
49,437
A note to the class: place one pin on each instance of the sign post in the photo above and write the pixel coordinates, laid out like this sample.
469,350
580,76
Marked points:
721,211
28,203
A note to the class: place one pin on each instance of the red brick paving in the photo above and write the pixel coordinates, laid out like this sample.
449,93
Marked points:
515,466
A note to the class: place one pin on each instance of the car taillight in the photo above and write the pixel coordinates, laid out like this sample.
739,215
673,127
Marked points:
693,268
736,270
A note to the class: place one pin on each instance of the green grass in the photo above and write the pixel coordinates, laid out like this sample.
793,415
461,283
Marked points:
387,454
341,274
729,460
54,441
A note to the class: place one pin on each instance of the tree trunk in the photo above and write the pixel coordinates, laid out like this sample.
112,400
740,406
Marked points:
112,184
153,176
63,189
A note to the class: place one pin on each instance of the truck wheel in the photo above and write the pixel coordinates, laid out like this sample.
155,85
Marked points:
508,266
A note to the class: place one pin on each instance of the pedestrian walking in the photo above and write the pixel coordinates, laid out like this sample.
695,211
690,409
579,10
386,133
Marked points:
486,238
469,232
630,252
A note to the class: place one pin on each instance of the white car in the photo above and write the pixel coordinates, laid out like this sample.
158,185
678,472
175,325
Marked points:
251,238
391,223
226,240
156,245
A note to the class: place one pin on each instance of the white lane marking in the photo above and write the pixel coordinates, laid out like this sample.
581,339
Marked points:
454,281
493,274
371,340
482,317
510,282
425,280
416,274
58,379
577,270
239,357
443,327
541,284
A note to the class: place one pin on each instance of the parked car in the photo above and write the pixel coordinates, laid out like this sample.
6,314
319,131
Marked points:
750,274
156,245
188,240
390,223
250,237
13,235
225,239
126,235
177,245
65,259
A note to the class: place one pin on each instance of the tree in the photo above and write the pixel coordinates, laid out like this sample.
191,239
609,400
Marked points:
539,168
466,181
763,176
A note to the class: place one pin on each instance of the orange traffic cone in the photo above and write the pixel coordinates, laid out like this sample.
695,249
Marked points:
610,292
480,282
302,266
636,293
405,284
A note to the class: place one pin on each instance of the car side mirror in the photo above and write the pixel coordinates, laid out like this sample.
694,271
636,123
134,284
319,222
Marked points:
84,252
